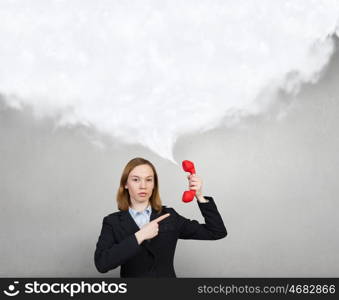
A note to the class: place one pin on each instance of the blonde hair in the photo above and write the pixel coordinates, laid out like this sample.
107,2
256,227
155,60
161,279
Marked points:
123,197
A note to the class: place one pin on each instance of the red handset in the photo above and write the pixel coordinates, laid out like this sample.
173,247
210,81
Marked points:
188,166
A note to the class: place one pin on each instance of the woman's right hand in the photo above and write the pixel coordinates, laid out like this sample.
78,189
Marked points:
150,230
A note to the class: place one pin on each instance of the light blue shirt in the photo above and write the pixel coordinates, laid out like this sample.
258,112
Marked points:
141,217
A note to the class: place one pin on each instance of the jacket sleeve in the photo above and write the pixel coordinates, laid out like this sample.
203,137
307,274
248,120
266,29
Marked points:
109,254
213,229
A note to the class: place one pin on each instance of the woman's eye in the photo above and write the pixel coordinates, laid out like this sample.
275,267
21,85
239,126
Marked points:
136,179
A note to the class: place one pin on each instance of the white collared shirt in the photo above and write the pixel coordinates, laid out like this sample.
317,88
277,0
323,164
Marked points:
141,217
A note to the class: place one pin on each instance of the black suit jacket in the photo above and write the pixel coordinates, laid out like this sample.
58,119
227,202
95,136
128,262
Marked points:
118,246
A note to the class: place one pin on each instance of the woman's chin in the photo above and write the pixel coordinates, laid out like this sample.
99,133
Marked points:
142,199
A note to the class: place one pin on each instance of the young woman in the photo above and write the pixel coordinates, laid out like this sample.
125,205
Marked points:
142,236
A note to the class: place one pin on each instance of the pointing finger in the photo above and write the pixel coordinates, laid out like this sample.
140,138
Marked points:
157,220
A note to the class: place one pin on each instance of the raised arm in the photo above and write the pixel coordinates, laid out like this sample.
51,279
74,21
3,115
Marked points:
212,229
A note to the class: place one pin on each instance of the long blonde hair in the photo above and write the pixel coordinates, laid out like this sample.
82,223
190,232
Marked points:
123,197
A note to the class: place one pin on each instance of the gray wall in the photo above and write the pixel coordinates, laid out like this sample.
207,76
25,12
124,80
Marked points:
275,181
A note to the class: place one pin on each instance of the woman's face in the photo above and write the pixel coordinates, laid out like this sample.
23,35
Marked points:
140,183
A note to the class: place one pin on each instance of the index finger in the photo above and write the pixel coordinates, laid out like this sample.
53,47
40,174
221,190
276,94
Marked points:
161,218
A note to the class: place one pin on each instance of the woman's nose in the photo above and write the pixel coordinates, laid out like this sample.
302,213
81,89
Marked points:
142,184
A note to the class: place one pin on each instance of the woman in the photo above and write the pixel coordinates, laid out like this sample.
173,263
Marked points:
142,236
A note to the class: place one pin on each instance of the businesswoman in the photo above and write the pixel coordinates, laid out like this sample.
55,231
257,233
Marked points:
142,236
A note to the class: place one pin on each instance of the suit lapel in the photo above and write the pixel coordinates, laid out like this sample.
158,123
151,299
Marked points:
127,223
154,215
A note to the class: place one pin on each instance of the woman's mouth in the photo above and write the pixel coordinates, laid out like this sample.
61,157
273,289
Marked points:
142,194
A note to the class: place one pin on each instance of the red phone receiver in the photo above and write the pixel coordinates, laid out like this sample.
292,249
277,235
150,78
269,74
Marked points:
188,166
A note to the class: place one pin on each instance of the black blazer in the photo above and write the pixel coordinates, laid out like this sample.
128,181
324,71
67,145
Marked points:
118,246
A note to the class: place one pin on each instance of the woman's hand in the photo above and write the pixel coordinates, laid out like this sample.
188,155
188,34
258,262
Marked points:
195,183
150,230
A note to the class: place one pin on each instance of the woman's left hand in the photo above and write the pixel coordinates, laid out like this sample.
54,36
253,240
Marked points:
195,183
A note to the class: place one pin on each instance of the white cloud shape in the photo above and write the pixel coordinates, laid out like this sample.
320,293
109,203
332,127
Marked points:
147,72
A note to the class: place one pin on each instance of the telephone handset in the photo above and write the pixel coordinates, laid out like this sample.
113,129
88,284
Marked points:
188,166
